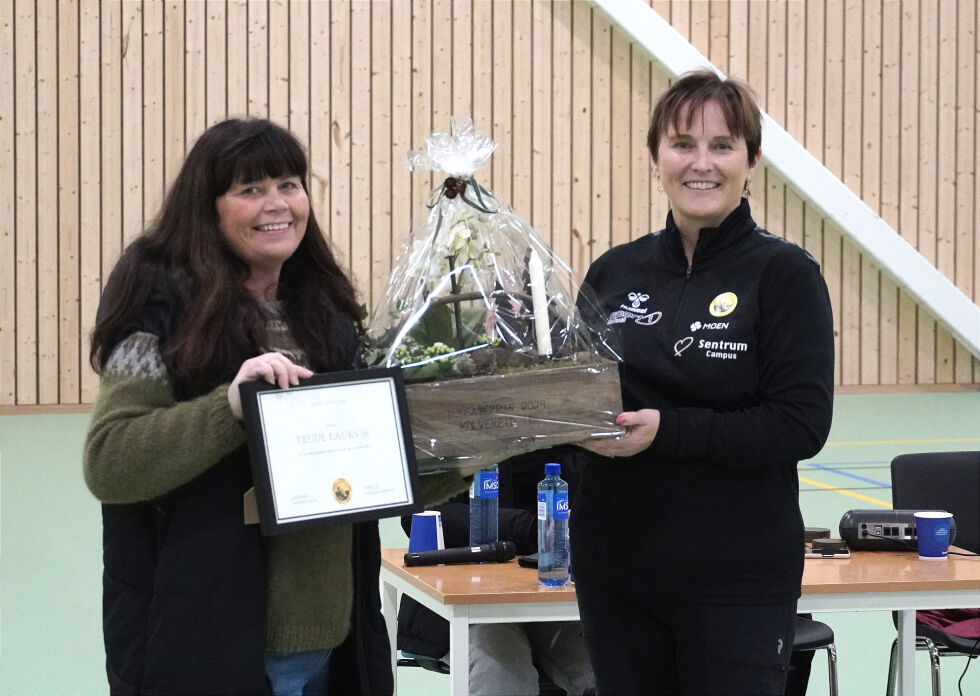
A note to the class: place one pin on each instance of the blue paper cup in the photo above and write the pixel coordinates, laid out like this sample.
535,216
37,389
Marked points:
426,532
932,531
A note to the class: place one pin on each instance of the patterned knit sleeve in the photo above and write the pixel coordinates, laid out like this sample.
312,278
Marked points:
141,443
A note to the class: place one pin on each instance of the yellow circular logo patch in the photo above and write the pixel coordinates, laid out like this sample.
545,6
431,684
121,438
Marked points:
342,491
723,305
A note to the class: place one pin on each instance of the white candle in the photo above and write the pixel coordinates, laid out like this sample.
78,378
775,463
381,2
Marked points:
539,304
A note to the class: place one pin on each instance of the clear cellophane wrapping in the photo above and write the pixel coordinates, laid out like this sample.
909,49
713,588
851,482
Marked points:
487,325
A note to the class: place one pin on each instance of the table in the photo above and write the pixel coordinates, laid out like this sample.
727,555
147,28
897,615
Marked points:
505,593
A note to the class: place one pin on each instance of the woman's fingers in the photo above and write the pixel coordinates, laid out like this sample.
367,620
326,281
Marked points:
274,368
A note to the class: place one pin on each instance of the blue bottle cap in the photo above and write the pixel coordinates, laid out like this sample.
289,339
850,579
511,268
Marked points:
552,468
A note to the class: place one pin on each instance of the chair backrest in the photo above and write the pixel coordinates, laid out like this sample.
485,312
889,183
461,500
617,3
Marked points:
941,481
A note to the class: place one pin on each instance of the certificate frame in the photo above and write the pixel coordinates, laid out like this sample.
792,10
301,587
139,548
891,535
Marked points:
349,430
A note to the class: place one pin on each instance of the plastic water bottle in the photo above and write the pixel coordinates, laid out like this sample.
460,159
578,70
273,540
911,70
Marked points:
484,496
552,527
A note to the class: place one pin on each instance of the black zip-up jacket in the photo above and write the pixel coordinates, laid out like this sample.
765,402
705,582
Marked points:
736,350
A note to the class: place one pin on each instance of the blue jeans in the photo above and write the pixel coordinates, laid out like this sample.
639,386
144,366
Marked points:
298,673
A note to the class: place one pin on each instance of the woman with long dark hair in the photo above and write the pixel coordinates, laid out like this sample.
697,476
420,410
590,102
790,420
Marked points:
232,282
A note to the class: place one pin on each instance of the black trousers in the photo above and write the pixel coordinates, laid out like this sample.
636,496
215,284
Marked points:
641,643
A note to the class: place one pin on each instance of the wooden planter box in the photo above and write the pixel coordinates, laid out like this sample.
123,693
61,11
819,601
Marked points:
471,422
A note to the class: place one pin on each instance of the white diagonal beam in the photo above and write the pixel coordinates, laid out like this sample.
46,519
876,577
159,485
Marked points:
816,184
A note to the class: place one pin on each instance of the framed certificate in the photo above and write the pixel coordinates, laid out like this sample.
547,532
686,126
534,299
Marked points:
337,448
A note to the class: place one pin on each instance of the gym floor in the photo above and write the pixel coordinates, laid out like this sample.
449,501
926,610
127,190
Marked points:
50,544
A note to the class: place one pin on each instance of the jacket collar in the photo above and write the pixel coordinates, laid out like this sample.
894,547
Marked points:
711,240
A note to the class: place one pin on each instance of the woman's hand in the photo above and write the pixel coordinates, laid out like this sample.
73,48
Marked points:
274,368
641,429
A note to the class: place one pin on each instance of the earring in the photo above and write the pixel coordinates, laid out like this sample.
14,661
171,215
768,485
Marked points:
745,190
660,186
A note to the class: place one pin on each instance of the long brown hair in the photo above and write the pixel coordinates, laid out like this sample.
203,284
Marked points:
181,277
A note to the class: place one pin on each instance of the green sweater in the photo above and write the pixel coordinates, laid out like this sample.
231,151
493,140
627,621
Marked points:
142,444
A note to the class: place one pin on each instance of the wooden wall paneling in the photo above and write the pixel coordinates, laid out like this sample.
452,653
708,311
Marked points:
522,113
278,36
756,57
68,368
775,88
680,17
542,120
947,143
154,98
89,210
975,190
622,143
132,120
339,167
641,182
857,349
561,138
966,130
382,166
442,71
599,236
322,130
890,157
46,190
298,88
872,349
659,204
361,223
502,162
422,124
928,173
481,56
909,180
462,61
216,62
832,157
796,77
8,207
718,34
813,138
793,217
699,33
580,143
195,116
738,39
257,57
25,220
402,203
175,100
237,58
111,140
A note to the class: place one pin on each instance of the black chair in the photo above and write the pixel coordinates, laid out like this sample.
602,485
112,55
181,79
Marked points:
816,635
545,685
939,481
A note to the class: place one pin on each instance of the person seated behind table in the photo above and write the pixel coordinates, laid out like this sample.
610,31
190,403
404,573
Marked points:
504,658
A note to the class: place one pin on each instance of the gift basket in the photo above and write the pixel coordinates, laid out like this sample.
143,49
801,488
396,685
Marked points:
490,332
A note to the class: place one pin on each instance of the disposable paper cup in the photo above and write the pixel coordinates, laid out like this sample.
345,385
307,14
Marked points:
932,531
426,533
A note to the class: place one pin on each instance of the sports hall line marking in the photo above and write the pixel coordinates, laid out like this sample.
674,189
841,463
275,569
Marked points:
902,442
841,472
844,491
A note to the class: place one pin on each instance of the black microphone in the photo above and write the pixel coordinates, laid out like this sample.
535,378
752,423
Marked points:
498,551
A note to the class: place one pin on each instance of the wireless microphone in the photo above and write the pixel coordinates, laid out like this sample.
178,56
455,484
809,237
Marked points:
498,551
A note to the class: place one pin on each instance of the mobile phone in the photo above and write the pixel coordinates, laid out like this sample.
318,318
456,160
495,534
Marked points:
528,561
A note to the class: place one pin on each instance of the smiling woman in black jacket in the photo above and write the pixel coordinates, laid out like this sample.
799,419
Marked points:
687,535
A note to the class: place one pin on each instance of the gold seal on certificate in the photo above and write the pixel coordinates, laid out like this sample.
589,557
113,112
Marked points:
313,445
341,491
